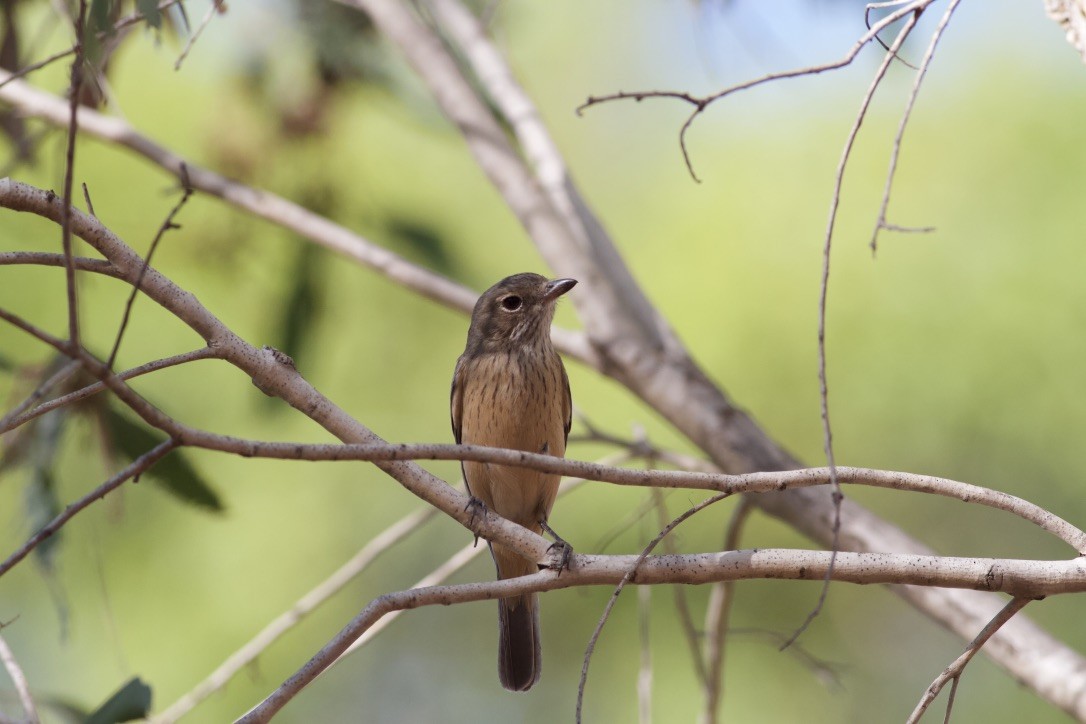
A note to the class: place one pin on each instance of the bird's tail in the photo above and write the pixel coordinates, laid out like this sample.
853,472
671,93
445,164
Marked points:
520,657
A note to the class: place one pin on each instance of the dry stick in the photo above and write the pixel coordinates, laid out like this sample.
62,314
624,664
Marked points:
700,103
11,422
748,482
215,7
629,576
39,392
686,620
717,615
133,469
18,678
167,224
745,483
46,258
954,671
881,223
823,292
69,170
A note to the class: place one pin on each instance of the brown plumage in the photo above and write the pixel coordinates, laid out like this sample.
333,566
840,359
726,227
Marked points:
510,390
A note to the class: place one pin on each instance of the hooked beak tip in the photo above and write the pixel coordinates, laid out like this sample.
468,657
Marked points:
557,288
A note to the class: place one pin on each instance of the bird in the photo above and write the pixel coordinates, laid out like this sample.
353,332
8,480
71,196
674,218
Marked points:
510,390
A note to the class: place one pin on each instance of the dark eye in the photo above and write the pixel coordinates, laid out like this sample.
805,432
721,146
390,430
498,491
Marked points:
511,303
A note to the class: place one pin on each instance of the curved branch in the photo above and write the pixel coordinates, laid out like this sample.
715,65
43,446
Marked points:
1023,579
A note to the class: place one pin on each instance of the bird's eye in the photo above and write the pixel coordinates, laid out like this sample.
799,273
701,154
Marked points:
511,303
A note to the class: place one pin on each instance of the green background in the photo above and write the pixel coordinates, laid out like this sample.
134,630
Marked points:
957,353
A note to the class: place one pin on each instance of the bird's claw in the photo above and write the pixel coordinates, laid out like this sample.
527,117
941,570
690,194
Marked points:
561,553
477,508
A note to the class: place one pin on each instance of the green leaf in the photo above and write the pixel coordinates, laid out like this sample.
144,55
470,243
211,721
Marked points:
174,472
132,701
42,505
150,12
101,13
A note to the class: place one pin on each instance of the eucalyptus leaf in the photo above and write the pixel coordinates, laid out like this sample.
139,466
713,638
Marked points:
132,701
174,472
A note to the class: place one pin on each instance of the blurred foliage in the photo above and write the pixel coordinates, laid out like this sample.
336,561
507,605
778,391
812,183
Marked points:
956,353
132,701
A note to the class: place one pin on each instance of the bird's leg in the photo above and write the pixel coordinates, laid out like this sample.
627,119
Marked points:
560,550
477,507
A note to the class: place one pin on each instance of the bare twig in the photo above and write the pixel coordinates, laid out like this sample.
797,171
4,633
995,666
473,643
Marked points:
10,422
40,391
18,678
167,224
627,578
700,103
69,170
717,615
213,9
881,223
133,469
954,671
824,288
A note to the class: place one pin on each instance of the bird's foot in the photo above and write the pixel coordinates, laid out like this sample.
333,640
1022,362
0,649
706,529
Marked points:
477,508
560,551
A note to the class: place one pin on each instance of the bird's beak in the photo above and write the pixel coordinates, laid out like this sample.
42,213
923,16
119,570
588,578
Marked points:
557,288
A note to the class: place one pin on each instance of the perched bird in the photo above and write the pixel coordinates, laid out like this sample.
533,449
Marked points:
510,390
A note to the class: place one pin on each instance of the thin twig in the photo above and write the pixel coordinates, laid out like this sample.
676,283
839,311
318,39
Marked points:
823,293
133,469
700,103
18,678
867,22
213,9
717,615
69,170
881,222
39,392
12,422
954,671
628,577
167,224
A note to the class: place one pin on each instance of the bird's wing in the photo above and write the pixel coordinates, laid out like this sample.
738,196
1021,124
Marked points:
456,399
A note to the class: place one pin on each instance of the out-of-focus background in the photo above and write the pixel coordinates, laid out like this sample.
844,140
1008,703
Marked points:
957,353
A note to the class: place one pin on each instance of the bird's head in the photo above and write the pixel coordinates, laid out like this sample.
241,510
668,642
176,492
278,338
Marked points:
515,313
